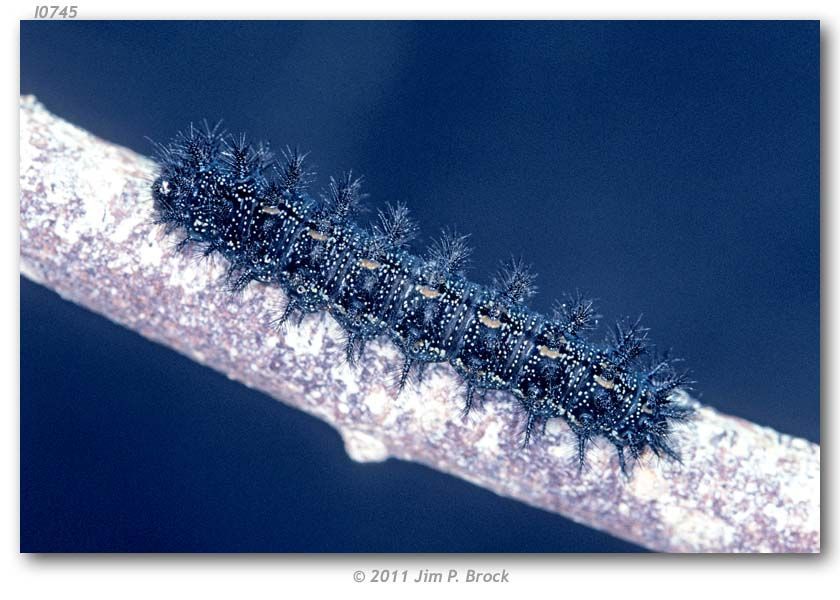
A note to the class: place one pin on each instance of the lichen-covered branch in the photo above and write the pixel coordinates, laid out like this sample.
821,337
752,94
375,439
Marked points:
87,233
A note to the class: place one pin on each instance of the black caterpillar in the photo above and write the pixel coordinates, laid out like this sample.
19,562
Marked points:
235,198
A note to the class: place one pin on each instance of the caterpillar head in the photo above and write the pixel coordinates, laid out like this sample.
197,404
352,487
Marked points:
171,201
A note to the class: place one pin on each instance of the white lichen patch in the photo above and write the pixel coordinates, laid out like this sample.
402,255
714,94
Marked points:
648,484
694,527
560,452
348,376
556,427
777,514
599,458
150,253
31,271
804,488
378,402
811,522
305,340
431,413
128,225
195,276
384,351
92,192
489,442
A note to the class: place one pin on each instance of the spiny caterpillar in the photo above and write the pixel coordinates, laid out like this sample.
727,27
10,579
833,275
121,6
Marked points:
237,199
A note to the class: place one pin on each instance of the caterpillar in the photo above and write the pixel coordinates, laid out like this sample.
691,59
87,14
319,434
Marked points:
255,209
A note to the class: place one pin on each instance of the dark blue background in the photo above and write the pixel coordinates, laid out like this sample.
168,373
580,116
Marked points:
669,169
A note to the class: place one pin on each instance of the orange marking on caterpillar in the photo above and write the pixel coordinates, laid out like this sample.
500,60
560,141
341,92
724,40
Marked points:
427,291
604,383
490,322
369,264
548,352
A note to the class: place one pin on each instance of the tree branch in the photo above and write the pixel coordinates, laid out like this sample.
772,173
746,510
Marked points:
86,232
